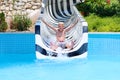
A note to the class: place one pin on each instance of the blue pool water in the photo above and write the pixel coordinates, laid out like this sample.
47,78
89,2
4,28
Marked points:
102,63
11,43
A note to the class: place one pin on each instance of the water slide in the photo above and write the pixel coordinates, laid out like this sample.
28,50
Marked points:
53,12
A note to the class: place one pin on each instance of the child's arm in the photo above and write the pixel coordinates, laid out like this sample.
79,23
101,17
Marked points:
48,24
71,26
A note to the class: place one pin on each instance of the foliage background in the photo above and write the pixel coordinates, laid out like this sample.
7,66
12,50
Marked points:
101,15
3,24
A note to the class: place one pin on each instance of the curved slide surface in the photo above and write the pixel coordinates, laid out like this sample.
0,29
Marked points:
55,11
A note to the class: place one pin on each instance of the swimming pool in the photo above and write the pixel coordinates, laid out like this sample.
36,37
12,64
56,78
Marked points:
102,63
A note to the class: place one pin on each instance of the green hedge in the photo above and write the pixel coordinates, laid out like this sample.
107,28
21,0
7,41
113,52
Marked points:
100,24
99,7
3,24
101,16
21,23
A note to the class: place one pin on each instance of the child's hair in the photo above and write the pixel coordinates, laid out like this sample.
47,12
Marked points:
60,23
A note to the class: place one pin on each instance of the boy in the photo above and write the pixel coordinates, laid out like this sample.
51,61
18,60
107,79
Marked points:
60,35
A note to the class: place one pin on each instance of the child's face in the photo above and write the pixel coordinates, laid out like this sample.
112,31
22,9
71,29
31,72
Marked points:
61,26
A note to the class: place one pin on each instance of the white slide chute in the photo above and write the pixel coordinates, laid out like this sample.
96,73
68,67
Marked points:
55,11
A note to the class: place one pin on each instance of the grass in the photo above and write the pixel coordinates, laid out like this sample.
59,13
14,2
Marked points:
103,24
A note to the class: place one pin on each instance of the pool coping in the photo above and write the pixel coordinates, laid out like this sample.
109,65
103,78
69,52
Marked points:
103,32
34,33
17,33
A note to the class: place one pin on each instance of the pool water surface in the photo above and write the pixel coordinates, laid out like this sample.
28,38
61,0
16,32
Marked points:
102,63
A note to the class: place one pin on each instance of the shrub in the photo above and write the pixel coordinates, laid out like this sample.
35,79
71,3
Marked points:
93,22
118,10
99,7
100,24
84,8
119,1
106,10
3,24
2,17
21,22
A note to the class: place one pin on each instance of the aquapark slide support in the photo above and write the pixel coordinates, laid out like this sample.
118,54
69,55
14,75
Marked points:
54,11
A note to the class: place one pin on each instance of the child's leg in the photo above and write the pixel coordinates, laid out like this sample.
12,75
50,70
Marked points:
53,46
70,45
